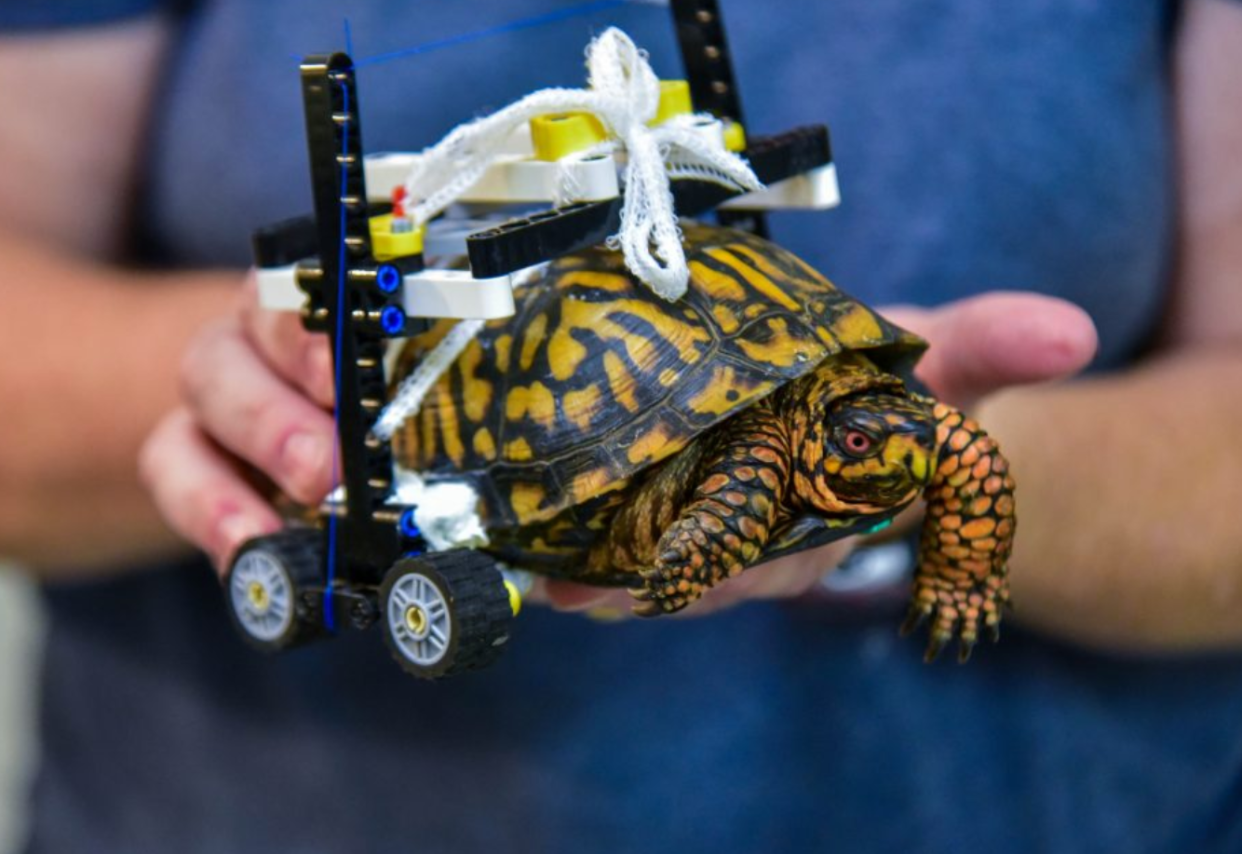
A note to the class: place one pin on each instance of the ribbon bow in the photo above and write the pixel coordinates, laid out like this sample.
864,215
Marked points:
624,93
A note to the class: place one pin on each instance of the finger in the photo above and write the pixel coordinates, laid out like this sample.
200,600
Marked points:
784,578
982,344
302,359
239,402
199,492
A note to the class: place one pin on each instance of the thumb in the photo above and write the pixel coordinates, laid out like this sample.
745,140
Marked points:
985,343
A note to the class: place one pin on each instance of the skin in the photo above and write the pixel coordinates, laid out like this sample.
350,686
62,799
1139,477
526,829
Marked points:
1116,550
67,330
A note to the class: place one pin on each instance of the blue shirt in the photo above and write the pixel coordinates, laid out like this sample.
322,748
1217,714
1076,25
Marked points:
980,145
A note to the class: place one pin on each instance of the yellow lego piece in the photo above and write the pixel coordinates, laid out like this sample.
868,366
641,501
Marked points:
560,134
734,136
386,244
515,597
674,101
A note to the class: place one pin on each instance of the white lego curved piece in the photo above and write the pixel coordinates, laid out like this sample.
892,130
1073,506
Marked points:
513,179
814,190
455,293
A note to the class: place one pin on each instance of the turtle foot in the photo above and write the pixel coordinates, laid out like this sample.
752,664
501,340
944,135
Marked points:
956,614
673,583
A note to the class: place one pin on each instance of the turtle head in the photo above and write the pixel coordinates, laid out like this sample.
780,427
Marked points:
871,451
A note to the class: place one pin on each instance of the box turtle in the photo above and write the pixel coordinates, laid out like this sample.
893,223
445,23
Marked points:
615,438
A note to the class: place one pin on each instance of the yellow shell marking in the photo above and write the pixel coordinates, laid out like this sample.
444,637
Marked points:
725,318
478,392
592,483
504,344
525,499
681,336
755,279
857,326
565,353
580,406
770,270
783,350
518,451
484,444
448,425
620,381
716,284
534,401
427,446
714,398
611,282
531,339
648,446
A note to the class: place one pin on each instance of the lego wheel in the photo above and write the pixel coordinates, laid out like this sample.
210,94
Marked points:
263,584
445,613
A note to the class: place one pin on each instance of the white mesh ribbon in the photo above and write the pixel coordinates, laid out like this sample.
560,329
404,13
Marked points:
414,388
624,94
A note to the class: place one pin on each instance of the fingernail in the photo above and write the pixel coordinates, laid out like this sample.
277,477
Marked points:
305,463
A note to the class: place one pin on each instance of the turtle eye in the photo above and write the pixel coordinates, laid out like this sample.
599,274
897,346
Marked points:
856,443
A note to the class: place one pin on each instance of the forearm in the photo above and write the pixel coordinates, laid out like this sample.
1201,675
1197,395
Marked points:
88,362
1129,495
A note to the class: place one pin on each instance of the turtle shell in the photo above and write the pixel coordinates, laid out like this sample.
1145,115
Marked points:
595,378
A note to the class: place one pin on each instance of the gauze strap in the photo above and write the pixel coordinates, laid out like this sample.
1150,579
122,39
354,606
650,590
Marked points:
624,94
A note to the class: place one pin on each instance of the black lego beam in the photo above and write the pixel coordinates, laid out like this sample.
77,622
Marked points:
545,236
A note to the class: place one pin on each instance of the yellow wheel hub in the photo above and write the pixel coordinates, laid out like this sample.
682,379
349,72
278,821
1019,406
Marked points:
416,619
257,594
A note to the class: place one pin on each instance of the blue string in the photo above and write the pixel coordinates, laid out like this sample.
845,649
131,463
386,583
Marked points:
510,27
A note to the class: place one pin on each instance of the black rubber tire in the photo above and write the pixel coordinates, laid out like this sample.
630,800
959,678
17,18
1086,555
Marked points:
298,554
479,613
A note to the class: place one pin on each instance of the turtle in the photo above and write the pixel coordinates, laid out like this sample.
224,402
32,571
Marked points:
616,438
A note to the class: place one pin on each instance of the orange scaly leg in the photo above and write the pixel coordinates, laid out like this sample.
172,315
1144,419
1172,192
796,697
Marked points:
961,583
728,521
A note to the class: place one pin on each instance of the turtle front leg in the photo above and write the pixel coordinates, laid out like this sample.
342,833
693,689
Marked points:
967,537
727,522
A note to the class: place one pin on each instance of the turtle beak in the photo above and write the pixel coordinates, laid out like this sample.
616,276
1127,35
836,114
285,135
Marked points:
913,445
912,451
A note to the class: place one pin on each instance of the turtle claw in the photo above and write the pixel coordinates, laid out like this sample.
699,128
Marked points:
934,647
964,649
652,602
915,617
647,609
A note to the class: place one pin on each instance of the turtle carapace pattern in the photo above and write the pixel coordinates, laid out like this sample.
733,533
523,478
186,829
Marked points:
616,438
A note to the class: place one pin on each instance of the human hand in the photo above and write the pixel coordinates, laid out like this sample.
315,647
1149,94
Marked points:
979,346
255,387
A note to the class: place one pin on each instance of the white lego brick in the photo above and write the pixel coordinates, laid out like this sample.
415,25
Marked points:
455,293
590,179
814,190
513,178
278,288
430,293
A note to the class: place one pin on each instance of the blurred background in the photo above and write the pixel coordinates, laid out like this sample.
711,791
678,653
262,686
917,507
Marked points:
20,632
